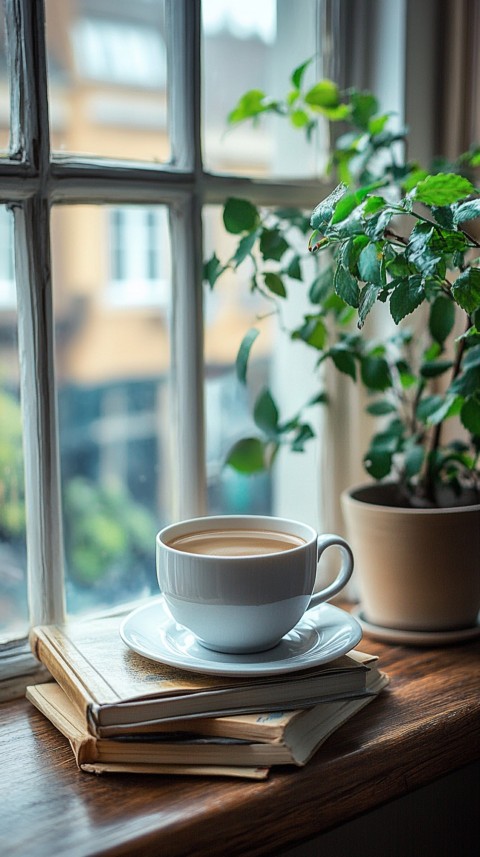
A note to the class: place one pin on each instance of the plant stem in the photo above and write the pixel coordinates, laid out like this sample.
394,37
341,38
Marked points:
436,435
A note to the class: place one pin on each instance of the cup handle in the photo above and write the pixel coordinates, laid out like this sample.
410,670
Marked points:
343,576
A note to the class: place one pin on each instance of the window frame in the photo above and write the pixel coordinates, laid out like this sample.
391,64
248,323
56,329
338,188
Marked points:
32,180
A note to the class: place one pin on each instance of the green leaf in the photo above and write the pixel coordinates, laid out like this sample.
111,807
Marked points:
389,439
244,353
375,373
212,269
376,224
443,189
419,252
343,208
427,406
370,265
364,106
275,284
304,433
313,332
444,215
352,225
470,415
299,72
449,407
373,204
414,458
334,114
323,212
249,455
441,319
299,118
472,357
272,244
398,267
346,286
472,157
407,378
412,179
368,296
321,286
294,270
351,250
434,368
324,94
245,247
467,211
240,215
406,297
466,290
344,361
380,408
265,413
251,104
446,241
378,463
468,383
377,124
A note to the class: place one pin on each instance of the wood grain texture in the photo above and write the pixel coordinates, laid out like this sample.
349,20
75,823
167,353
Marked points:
425,725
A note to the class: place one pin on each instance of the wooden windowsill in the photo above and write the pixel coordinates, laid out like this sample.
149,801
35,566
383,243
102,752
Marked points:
425,725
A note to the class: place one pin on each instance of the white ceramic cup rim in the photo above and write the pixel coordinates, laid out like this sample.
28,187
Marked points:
287,526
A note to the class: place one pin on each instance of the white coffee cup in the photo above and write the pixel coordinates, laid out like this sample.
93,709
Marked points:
241,582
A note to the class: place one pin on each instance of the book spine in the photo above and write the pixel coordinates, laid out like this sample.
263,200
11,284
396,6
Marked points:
85,750
62,673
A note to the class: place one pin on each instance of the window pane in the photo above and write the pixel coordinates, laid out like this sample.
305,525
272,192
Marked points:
245,43
107,78
230,310
287,368
112,297
4,88
13,583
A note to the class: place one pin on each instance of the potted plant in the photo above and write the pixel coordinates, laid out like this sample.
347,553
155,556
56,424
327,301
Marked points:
400,240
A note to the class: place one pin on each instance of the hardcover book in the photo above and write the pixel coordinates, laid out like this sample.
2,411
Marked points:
117,690
275,738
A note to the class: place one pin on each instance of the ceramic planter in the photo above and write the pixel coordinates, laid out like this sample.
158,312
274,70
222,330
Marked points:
416,569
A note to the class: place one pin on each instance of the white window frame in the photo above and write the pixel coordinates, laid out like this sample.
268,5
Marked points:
32,180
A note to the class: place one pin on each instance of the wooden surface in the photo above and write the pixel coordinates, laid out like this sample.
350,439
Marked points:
424,726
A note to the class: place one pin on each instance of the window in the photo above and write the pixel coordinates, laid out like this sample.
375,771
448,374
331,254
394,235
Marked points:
139,257
100,48
117,165
109,367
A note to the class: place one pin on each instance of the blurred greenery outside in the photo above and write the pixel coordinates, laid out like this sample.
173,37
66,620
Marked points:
108,536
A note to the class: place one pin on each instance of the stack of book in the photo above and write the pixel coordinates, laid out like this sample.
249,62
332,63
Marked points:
124,713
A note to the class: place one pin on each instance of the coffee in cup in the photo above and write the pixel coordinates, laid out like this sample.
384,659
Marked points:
241,582
235,542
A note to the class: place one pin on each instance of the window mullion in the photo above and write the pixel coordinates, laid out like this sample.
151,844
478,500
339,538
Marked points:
36,332
187,359
183,63
183,28
44,533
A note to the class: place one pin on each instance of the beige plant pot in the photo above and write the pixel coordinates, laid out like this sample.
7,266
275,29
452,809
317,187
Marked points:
416,569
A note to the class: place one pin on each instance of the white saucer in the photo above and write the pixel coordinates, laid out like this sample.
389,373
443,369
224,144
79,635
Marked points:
416,638
324,633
